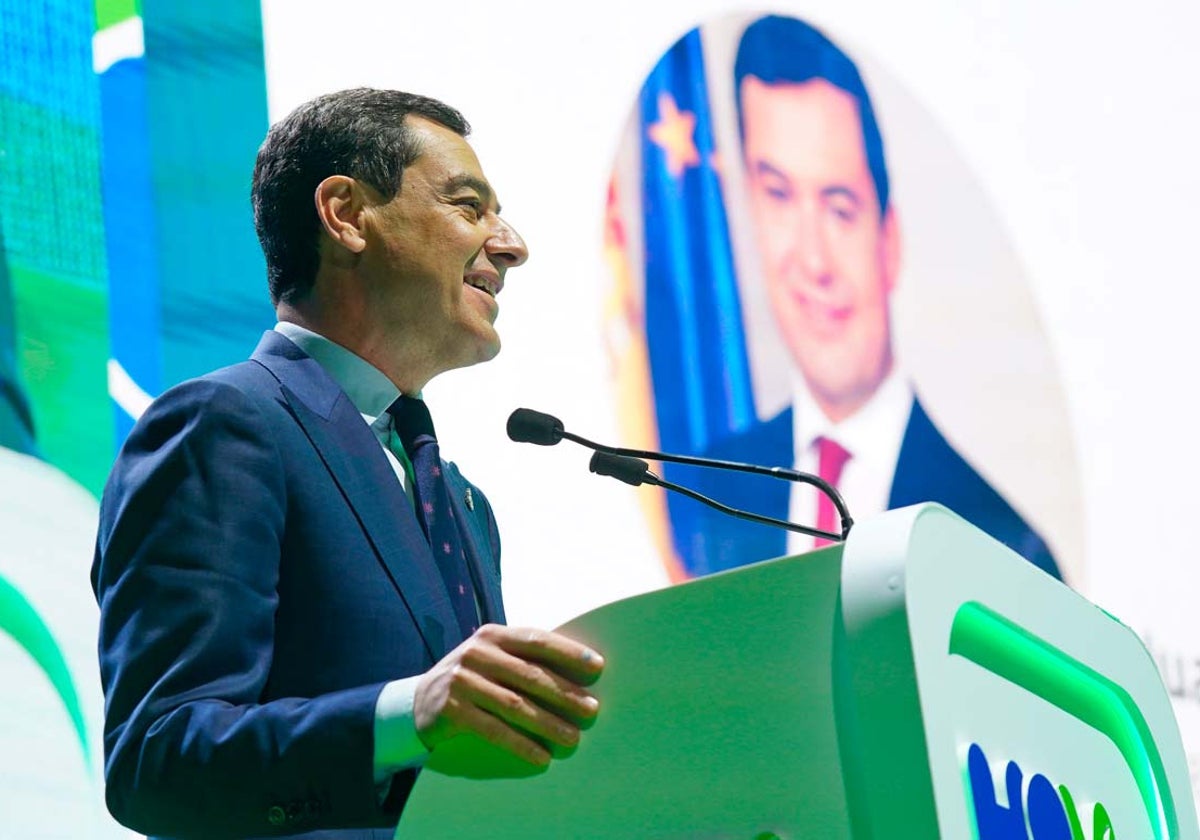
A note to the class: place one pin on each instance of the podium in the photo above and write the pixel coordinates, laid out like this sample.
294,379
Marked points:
920,680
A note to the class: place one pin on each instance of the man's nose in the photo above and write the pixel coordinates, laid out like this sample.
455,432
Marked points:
812,247
505,246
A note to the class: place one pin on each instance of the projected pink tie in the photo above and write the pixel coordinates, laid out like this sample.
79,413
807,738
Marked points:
831,458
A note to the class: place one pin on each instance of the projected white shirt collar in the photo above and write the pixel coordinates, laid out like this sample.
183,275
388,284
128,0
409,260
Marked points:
872,435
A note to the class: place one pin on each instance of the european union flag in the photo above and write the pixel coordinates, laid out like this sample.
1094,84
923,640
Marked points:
694,328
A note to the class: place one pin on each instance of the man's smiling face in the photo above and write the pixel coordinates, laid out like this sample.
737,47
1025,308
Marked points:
438,252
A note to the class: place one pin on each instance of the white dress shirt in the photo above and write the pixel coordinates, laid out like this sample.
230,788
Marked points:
872,436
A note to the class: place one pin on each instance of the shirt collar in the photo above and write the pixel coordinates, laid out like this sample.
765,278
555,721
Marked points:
877,427
367,386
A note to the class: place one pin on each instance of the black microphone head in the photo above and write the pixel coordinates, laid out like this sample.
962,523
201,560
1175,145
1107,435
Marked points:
528,426
621,467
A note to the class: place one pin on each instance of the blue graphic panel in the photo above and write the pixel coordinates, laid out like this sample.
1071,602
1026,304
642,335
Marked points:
206,93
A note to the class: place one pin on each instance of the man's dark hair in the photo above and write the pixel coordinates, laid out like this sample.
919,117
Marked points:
784,50
360,133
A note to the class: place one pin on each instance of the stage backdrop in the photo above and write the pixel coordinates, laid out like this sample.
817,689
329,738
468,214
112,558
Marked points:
1031,284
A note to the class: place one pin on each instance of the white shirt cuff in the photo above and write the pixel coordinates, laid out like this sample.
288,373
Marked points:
397,745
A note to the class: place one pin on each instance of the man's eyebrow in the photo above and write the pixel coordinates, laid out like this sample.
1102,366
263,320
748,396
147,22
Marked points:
765,168
468,181
849,193
762,167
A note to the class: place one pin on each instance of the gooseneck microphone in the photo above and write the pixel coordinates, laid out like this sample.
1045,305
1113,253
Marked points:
633,471
528,426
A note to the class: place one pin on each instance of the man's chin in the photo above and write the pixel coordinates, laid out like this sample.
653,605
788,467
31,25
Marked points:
839,400
492,351
473,344
486,349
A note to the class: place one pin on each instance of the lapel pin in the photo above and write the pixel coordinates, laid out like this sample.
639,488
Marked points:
469,499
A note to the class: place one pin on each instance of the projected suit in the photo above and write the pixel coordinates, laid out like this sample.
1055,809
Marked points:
928,470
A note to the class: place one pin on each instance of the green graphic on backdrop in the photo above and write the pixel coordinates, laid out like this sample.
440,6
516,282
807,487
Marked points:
16,424
50,205
108,107
110,12
20,620
198,93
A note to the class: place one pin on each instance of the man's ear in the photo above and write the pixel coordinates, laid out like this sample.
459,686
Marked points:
890,246
340,203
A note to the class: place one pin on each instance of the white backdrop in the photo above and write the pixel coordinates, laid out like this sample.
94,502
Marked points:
1080,121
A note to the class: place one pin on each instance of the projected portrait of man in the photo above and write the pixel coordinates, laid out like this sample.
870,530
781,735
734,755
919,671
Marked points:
830,245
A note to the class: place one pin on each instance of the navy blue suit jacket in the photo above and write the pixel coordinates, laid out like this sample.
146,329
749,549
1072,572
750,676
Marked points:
928,470
261,575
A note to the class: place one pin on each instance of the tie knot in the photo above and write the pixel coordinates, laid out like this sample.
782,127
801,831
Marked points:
411,418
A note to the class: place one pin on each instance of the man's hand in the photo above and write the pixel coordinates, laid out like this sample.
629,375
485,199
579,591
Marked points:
517,688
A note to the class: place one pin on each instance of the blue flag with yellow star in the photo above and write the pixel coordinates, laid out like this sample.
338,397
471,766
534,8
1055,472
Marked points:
694,331
694,326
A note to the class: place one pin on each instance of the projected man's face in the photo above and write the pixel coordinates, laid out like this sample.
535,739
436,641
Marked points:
829,257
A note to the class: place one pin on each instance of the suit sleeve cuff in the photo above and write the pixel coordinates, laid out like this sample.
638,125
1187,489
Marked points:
397,745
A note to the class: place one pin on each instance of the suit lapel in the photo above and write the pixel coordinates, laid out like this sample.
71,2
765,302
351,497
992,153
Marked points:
361,471
912,464
473,529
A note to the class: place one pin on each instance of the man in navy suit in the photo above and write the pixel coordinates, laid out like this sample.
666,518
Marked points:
829,240
280,642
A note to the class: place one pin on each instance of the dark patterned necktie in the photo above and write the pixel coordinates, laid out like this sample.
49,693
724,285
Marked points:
432,496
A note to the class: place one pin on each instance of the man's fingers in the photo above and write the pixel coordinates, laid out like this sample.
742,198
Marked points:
533,680
516,709
495,731
519,689
573,660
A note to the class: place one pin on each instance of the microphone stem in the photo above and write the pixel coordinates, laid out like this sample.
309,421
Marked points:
651,478
774,472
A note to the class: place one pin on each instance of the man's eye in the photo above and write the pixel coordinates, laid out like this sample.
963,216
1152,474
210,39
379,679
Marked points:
472,204
777,192
843,211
